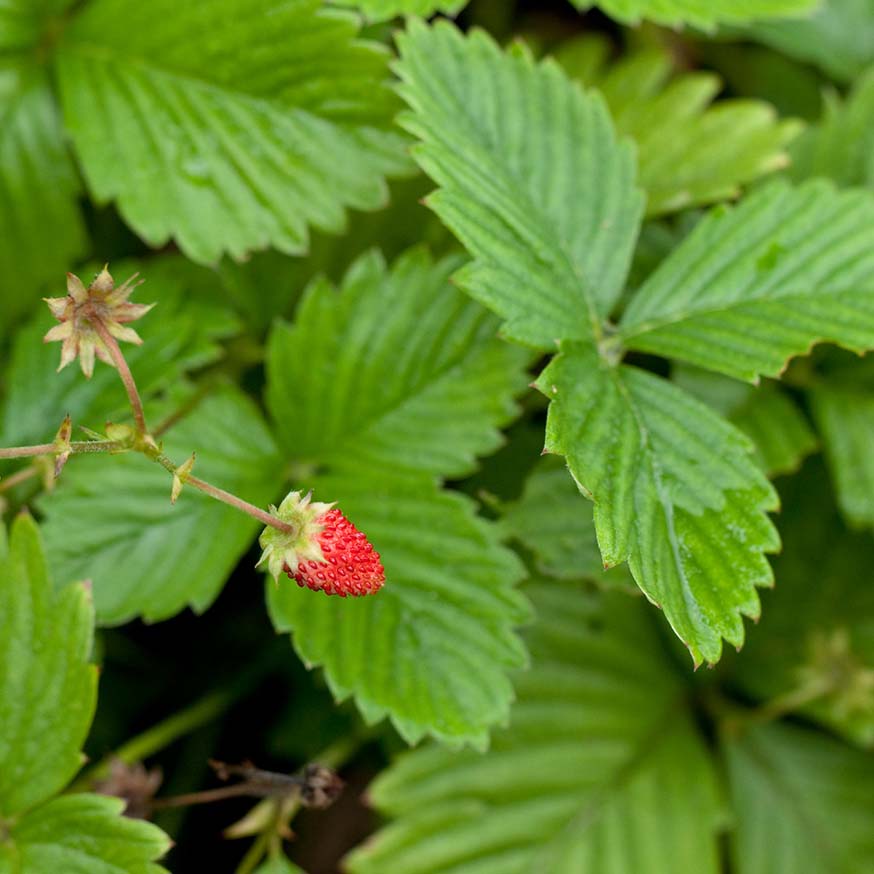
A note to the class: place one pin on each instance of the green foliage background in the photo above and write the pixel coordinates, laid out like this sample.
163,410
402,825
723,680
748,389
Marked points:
398,249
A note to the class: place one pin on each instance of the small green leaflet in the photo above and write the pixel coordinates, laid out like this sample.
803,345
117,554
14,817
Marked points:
676,493
219,146
554,522
755,284
41,229
700,13
817,630
506,157
841,146
602,769
47,696
381,10
180,335
690,152
838,37
803,802
384,387
111,517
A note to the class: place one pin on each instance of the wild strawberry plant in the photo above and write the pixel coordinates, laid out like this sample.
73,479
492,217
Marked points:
364,270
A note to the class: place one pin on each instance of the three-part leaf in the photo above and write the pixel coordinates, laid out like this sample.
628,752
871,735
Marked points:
601,770
676,493
385,387
262,121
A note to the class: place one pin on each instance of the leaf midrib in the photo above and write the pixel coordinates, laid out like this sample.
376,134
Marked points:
591,809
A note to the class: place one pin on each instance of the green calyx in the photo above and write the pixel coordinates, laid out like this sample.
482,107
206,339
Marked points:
289,548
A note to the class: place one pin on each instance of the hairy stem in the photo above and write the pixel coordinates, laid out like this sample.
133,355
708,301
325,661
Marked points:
77,448
207,796
225,497
124,372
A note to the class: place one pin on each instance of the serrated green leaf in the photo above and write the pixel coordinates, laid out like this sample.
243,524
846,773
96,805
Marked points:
701,13
533,180
385,386
845,417
41,229
110,518
803,803
432,648
47,687
82,834
779,430
689,151
838,37
179,335
219,146
841,146
676,493
554,522
23,22
381,10
817,630
397,368
601,770
754,285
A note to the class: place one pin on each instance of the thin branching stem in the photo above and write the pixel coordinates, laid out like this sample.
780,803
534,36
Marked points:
124,372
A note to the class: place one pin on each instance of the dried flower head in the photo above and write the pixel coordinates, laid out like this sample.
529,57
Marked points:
134,784
88,315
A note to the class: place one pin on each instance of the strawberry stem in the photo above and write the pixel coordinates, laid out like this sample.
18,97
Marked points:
124,372
76,448
223,496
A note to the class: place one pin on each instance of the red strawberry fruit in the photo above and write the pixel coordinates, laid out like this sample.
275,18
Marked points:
322,549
